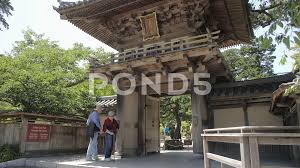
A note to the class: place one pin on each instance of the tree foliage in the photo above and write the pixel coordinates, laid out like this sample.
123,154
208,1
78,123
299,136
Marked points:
39,76
174,110
282,19
5,11
250,61
295,88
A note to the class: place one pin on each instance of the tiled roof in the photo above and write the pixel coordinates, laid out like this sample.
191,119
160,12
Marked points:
108,101
65,5
232,16
250,87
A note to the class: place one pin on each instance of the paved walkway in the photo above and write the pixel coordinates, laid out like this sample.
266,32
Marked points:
180,159
166,159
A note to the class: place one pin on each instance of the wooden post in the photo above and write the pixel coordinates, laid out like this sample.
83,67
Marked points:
254,152
119,138
298,109
205,151
246,116
127,112
141,125
23,136
245,152
296,149
198,107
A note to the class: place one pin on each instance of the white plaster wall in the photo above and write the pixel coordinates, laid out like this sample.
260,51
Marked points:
230,117
259,115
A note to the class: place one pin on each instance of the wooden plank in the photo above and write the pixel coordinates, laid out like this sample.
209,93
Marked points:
198,52
278,141
225,160
117,67
254,152
260,128
198,107
23,134
172,57
146,61
223,139
245,152
205,151
279,135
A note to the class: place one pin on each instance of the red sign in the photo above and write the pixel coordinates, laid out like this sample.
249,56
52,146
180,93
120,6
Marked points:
38,133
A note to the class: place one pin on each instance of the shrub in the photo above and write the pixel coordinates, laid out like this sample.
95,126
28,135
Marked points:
8,152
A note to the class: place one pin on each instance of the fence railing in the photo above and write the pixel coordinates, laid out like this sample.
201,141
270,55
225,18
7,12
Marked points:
249,139
156,49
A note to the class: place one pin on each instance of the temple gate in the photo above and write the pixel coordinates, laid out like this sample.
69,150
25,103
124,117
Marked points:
165,37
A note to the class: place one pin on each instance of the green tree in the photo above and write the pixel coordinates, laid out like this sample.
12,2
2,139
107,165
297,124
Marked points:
295,88
174,110
39,76
282,17
250,62
5,11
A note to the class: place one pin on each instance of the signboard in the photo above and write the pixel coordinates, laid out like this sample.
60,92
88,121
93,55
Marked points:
38,133
150,27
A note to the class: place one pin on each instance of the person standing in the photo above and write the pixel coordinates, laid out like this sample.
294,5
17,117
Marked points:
110,128
93,130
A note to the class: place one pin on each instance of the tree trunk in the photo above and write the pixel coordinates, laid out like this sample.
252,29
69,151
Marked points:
178,122
178,128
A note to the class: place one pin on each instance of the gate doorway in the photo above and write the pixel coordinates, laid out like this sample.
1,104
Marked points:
176,122
152,123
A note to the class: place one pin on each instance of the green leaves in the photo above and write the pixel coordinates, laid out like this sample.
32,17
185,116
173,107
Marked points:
283,60
251,61
287,42
42,77
5,10
266,42
297,40
9,152
281,19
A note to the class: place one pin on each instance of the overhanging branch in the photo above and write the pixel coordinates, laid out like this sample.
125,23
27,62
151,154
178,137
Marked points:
266,9
77,82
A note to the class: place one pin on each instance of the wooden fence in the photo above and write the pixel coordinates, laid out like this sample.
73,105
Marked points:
39,134
249,139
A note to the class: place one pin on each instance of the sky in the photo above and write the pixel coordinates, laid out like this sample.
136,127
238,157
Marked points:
40,16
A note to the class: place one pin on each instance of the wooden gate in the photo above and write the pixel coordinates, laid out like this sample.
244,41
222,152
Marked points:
152,124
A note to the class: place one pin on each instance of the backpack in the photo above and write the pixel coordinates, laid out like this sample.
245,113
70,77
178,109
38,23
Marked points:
90,129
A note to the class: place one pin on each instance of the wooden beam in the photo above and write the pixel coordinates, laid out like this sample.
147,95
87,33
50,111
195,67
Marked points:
205,151
172,57
118,67
164,79
145,61
232,139
298,109
254,152
246,115
245,152
198,52
278,141
228,161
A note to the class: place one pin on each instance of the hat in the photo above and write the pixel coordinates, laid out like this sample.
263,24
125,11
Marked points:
111,114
